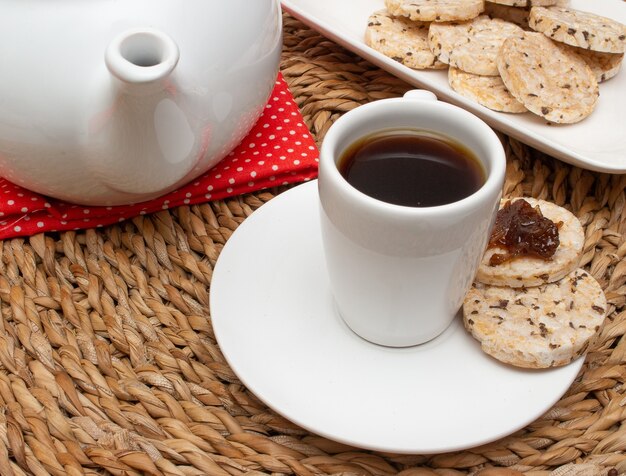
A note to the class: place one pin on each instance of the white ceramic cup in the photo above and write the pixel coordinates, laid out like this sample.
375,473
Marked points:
399,274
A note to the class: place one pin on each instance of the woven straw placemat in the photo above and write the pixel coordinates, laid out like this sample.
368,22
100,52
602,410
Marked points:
108,363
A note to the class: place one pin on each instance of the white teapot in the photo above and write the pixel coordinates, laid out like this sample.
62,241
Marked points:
107,102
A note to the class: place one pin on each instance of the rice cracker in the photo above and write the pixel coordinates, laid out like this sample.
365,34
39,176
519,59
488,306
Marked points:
508,3
523,3
575,28
402,40
550,82
471,46
516,15
545,326
530,271
488,91
603,65
436,10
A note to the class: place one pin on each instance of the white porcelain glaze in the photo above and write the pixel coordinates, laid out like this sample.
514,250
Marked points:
399,274
106,102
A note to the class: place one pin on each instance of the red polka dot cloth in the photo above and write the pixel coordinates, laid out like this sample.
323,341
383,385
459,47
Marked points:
279,150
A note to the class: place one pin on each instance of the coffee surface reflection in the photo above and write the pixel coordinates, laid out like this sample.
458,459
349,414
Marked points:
411,168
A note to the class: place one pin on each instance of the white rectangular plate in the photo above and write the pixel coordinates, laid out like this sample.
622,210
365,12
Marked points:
596,143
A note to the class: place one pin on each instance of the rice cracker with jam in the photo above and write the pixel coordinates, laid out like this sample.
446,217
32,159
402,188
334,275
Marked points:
539,327
543,247
550,319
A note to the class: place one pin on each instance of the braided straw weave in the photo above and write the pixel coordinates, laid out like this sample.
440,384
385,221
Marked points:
108,363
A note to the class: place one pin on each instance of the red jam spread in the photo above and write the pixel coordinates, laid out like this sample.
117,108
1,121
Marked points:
522,230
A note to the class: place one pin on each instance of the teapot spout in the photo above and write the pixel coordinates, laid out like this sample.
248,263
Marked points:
144,138
142,58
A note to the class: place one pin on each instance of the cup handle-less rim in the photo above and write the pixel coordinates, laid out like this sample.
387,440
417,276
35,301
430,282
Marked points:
497,166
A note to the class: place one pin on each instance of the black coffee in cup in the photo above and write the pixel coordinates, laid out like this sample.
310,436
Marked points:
412,168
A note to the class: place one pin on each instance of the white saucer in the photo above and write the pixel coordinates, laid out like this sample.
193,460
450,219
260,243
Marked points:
276,324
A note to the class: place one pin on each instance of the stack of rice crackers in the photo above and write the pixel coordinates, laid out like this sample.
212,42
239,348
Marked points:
508,55
536,313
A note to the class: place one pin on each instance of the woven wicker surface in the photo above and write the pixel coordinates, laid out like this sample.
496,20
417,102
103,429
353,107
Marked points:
108,363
